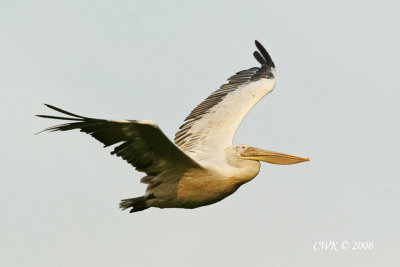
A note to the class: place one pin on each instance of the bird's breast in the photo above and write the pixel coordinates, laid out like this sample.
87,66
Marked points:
199,188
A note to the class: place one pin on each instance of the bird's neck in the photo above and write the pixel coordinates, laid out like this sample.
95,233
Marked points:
246,172
237,173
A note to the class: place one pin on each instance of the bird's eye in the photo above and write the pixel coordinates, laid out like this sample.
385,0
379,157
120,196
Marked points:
243,147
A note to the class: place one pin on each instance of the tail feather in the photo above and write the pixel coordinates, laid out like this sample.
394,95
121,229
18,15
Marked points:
137,204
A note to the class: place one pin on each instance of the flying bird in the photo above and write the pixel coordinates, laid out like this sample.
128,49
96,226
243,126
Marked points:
200,167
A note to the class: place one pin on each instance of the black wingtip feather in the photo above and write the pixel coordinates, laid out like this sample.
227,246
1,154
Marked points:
76,118
57,117
267,58
63,111
259,58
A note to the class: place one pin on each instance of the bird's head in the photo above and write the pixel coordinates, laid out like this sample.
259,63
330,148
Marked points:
245,152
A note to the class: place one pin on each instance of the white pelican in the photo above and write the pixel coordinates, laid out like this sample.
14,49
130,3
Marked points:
201,167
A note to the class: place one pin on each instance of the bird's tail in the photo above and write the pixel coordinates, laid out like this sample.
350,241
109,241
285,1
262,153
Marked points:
137,204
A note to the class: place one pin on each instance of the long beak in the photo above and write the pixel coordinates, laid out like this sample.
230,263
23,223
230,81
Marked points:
271,157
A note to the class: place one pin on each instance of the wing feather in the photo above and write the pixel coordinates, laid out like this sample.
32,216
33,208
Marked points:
211,126
142,144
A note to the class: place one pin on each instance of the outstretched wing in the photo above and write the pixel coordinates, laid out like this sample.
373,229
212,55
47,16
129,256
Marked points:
141,143
212,125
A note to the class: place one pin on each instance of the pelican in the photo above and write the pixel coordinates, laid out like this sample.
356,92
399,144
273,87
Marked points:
200,167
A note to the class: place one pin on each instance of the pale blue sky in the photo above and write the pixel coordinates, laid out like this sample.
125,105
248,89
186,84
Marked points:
335,101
